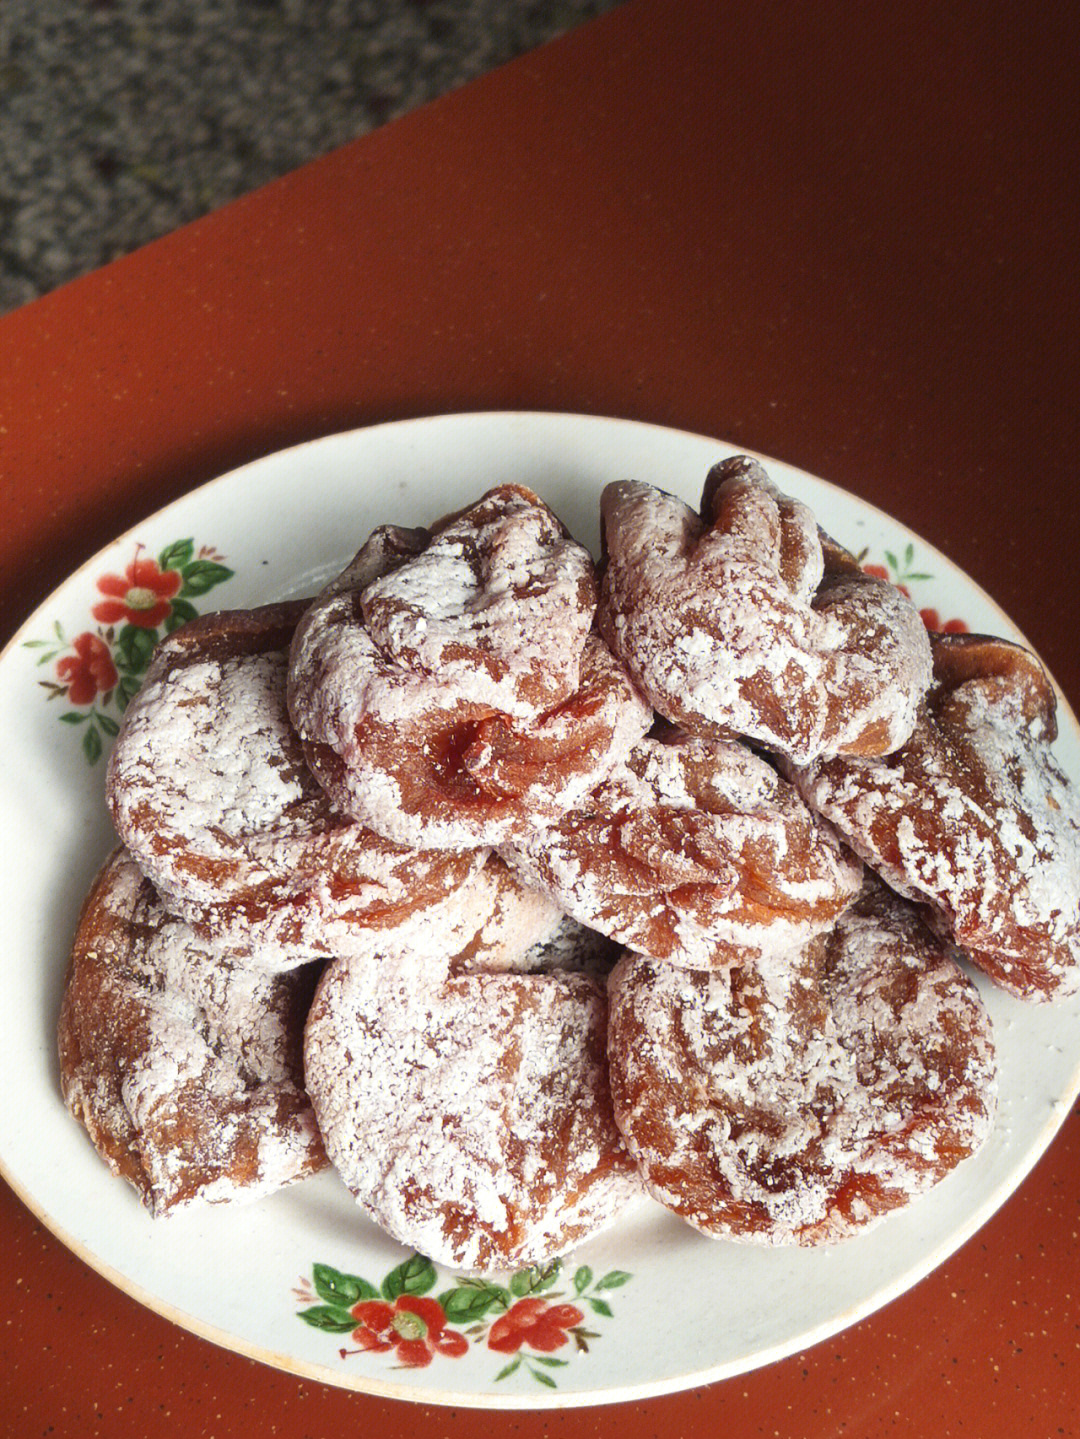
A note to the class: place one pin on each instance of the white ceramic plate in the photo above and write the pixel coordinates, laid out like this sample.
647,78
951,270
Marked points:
647,1308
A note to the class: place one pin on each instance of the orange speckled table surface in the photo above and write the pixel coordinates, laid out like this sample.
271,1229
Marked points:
843,236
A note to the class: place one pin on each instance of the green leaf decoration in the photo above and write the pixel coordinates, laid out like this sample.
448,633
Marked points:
415,1276
600,1306
582,1279
466,1304
91,744
917,575
181,612
892,560
508,1369
329,1319
176,555
36,644
74,717
614,1279
134,646
535,1279
547,1276
549,1360
909,554
107,723
126,691
341,1289
202,575
542,1378
44,659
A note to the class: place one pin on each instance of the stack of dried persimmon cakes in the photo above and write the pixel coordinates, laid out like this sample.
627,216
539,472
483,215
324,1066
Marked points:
513,885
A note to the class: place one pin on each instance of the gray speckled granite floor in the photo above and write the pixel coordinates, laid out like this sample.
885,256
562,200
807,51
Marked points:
122,119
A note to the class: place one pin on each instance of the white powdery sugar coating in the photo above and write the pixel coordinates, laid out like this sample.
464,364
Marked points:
338,682
728,628
800,1105
470,1119
184,1068
494,599
203,746
883,657
613,707
210,790
519,930
501,921
465,756
327,921
975,818
617,714
693,851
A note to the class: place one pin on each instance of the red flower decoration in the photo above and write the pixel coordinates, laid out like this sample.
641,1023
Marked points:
89,671
879,572
932,620
413,1325
930,617
140,596
535,1323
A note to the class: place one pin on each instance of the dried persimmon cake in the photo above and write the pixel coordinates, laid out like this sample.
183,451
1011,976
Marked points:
974,816
449,689
798,1103
209,790
694,851
745,619
185,1068
471,1119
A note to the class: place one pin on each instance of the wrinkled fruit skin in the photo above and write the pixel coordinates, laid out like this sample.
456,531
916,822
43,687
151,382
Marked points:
746,620
448,688
696,852
798,1103
974,816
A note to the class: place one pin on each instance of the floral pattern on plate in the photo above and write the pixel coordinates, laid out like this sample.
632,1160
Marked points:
902,573
98,671
527,1317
